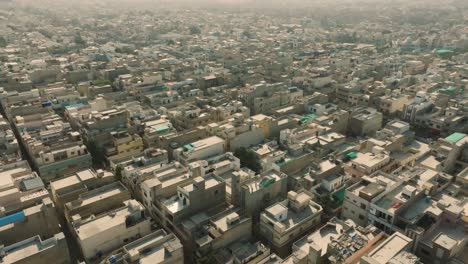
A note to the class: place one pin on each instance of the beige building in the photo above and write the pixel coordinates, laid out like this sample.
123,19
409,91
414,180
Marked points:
54,148
97,201
98,236
237,132
69,188
284,222
336,242
220,230
36,250
124,145
360,195
20,187
157,248
200,149
40,220
393,104
394,249
254,194
367,163
365,121
191,198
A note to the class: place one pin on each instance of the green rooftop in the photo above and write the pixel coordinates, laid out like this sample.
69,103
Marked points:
281,164
162,129
455,137
307,118
266,182
444,51
449,91
351,155
188,147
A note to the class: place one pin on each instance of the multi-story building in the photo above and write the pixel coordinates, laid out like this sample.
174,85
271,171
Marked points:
191,198
338,241
98,125
365,121
69,188
96,201
99,236
255,193
367,163
37,250
189,116
54,149
39,219
393,104
123,145
20,187
237,132
419,106
8,143
360,195
284,222
201,149
448,150
157,247
219,229
395,249
264,98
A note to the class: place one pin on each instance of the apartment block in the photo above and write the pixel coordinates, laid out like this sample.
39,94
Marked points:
37,250
40,219
200,149
54,148
105,233
284,222
156,247
96,201
20,187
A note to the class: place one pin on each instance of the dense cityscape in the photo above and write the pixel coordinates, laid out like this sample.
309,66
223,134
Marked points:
233,131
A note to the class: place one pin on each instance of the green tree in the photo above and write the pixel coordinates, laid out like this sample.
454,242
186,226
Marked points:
248,159
102,82
3,42
118,172
97,152
195,30
78,39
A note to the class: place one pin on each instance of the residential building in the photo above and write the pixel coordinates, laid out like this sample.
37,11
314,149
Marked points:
39,220
200,149
37,250
284,222
99,236
156,247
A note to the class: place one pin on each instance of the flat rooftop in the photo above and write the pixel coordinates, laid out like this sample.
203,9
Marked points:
106,222
29,247
255,185
320,239
203,143
97,195
294,218
394,199
369,159
156,247
390,248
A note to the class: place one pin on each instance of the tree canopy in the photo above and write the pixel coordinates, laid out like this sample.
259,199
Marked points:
248,159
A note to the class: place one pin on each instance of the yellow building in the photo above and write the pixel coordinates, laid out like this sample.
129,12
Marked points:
124,145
